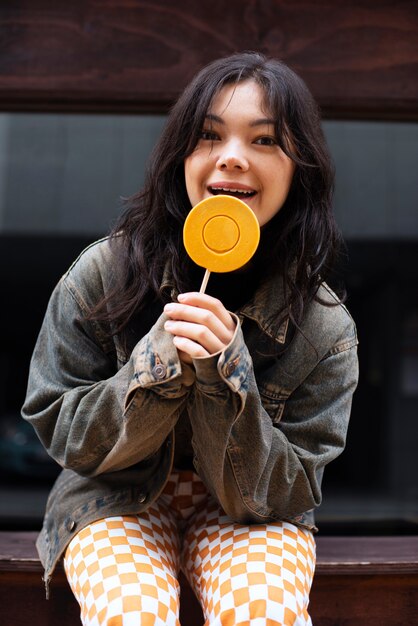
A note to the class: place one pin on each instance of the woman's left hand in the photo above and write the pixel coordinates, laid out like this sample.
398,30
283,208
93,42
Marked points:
200,324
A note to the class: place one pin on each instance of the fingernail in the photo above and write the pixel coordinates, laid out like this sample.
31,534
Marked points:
181,297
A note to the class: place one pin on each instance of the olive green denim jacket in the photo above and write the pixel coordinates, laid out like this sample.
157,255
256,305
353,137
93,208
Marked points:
266,417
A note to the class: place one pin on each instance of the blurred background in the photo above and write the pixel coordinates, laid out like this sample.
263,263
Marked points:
84,90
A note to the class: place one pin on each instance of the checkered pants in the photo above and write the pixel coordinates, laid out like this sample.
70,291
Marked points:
123,570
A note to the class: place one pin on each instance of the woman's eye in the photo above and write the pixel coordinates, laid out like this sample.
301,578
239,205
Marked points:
208,135
266,141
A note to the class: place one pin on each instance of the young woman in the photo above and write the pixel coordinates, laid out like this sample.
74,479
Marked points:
193,428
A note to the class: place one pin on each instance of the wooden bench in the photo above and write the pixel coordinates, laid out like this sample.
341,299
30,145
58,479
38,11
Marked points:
359,581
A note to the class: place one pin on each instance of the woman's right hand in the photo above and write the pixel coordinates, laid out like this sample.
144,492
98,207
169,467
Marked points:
200,325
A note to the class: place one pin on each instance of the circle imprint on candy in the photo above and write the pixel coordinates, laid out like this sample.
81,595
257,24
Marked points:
221,233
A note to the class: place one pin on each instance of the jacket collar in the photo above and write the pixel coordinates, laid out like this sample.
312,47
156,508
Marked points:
262,308
167,287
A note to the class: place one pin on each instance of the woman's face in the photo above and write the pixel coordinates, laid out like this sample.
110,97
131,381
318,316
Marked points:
238,155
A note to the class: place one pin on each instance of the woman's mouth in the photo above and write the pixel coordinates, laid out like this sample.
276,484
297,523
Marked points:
236,191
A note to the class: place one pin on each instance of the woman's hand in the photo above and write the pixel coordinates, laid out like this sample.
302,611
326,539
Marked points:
200,324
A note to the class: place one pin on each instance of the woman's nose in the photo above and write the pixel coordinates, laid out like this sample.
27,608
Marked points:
232,157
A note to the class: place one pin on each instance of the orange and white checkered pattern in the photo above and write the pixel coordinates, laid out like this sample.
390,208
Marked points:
123,570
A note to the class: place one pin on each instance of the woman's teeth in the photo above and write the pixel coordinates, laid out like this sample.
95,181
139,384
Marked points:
229,191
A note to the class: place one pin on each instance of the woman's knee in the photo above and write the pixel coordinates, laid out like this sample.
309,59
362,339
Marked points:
139,619
146,609
270,611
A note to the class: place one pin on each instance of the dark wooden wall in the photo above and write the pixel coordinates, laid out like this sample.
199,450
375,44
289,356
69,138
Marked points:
359,58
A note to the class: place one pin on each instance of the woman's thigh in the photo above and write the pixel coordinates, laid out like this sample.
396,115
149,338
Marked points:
257,574
123,570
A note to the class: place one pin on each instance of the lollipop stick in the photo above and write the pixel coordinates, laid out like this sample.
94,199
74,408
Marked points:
204,282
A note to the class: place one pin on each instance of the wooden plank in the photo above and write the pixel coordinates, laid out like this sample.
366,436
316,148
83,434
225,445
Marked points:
364,600
339,601
335,555
364,592
367,555
18,552
24,604
125,55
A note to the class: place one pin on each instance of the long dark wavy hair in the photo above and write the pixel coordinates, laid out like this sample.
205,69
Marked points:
301,241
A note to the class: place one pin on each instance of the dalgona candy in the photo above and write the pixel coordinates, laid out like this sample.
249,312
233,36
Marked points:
221,233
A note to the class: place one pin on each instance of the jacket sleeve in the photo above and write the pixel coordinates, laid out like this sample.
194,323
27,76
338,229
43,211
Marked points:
90,416
260,471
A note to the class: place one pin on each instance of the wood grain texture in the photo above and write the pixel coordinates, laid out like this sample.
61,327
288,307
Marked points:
360,60
364,600
367,555
353,555
343,601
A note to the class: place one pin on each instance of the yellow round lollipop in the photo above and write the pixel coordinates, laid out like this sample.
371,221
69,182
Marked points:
221,234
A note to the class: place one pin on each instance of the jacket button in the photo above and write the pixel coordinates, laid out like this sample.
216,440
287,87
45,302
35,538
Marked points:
230,368
142,497
70,524
159,371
